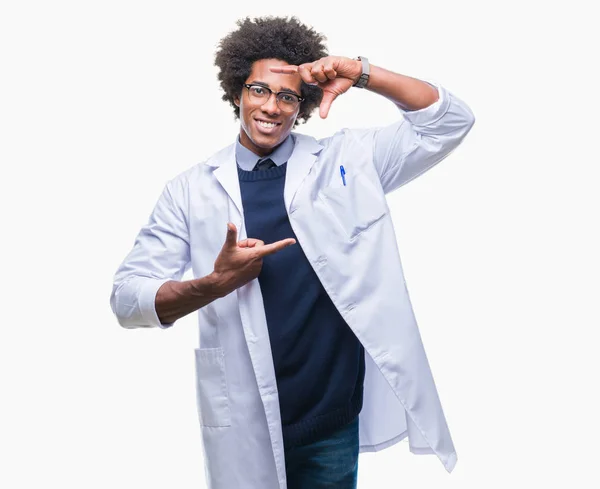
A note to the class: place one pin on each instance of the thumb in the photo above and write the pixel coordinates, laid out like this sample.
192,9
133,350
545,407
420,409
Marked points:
231,239
326,101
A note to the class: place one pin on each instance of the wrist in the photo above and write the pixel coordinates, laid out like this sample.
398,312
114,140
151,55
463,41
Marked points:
214,284
357,71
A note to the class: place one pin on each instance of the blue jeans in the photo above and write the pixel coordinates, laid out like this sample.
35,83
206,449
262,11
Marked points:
331,463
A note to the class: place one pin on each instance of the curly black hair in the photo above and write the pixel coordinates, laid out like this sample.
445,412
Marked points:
286,39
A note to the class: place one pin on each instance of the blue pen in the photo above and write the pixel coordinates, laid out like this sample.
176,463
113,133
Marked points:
343,173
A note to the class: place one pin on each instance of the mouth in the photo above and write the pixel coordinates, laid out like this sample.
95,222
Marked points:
265,126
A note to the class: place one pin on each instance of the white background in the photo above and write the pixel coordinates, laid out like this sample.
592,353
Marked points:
102,102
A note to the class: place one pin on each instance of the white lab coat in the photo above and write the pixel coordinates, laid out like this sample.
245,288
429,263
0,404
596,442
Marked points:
347,235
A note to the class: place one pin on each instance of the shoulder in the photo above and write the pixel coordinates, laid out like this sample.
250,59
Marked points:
345,134
338,139
359,139
179,185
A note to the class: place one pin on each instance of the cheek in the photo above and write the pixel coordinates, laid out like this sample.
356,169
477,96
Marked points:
290,123
245,117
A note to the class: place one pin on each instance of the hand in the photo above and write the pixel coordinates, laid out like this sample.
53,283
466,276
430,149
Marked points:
333,74
240,262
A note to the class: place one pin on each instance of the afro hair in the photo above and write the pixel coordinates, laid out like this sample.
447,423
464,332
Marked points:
286,39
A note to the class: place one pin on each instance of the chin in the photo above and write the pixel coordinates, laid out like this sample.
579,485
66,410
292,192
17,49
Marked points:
265,142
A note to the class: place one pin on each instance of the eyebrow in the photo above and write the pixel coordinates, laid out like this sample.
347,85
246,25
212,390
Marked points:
283,89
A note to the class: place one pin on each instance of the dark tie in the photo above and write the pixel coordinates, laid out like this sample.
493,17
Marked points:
264,165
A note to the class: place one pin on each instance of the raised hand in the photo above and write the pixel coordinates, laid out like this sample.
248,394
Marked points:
240,262
333,74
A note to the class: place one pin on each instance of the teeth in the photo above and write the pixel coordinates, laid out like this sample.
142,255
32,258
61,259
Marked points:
266,124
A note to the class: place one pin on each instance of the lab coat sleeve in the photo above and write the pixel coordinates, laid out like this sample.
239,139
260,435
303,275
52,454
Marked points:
161,252
422,138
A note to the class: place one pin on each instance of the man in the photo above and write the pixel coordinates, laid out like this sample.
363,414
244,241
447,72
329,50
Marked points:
305,322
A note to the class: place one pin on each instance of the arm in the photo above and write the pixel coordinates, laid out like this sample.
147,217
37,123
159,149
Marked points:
160,254
406,92
175,300
434,123
420,140
147,290
237,264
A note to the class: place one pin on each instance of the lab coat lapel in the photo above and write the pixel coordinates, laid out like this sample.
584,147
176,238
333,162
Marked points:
227,175
303,158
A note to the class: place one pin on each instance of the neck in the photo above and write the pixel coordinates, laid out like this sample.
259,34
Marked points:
257,150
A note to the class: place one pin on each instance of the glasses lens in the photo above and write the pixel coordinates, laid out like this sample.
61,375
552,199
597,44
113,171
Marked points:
258,93
287,101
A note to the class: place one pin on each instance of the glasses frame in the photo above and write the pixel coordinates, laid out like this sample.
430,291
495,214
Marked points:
271,92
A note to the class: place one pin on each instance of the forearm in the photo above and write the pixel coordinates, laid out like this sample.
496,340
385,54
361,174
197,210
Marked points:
175,300
407,92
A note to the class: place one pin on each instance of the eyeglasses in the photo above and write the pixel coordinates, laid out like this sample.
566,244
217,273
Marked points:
286,101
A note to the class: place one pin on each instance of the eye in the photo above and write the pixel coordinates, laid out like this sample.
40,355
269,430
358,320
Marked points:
258,90
288,98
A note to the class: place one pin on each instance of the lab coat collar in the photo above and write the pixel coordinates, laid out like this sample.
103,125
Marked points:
303,157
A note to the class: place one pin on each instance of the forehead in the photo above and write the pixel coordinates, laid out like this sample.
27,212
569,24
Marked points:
276,81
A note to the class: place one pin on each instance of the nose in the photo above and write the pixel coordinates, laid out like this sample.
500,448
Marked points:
270,106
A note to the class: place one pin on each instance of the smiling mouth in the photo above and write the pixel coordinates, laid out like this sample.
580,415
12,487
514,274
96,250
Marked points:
267,124
265,121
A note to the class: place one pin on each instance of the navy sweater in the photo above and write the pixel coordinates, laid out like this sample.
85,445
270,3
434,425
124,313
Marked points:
319,362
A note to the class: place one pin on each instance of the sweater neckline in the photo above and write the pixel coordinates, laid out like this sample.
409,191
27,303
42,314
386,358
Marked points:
270,174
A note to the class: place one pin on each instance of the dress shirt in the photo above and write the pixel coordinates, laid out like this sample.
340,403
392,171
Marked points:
246,159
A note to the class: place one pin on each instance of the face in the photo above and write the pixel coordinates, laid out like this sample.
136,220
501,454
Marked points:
256,137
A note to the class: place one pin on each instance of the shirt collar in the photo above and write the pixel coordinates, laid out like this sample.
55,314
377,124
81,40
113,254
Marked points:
246,159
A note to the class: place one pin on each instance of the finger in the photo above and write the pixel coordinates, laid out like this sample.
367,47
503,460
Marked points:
317,72
287,69
231,239
326,101
304,71
329,70
250,243
274,247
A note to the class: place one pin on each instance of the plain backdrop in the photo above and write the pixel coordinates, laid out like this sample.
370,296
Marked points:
101,103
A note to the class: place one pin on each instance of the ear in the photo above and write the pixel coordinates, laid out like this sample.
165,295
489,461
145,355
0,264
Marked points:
236,101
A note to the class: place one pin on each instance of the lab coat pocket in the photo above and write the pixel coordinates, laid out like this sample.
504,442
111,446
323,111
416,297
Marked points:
211,387
356,206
